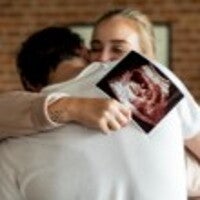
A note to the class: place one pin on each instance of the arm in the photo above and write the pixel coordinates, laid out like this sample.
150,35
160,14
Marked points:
192,149
193,145
24,113
101,113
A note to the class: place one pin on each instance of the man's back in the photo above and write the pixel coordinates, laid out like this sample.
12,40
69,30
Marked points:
75,162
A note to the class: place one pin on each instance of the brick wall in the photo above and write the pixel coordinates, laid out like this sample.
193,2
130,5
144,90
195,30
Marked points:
18,18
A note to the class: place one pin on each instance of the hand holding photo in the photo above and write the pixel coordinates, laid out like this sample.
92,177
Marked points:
137,82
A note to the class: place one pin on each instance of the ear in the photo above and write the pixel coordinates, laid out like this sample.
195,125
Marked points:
27,85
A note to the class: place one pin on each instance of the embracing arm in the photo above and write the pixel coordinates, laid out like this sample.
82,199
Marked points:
25,113
100,113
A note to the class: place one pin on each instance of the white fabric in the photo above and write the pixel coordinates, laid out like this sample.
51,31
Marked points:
51,98
76,163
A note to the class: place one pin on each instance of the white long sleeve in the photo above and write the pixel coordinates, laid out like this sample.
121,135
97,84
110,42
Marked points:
23,113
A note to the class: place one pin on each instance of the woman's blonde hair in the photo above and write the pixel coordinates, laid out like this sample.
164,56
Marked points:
143,24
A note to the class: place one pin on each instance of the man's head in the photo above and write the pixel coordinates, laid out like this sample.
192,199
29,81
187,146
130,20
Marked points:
51,55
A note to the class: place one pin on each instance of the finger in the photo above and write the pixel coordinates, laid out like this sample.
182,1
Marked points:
122,118
113,124
126,110
104,126
113,119
109,124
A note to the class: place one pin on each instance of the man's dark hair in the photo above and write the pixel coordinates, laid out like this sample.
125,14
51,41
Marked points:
43,51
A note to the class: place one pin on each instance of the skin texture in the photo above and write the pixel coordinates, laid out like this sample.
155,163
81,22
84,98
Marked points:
67,69
120,37
104,114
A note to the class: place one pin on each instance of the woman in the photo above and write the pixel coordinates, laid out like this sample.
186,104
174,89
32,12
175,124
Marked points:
131,30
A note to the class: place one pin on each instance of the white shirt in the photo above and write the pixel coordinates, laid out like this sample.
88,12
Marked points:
77,163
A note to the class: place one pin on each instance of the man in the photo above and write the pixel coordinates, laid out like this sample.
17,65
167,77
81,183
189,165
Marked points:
80,163
46,57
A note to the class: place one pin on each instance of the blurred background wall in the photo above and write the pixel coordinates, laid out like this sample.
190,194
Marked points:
19,18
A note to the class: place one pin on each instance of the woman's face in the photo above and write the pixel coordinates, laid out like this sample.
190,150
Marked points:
113,38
